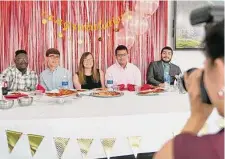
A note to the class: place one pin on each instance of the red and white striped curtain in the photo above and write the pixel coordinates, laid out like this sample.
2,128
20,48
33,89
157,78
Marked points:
28,25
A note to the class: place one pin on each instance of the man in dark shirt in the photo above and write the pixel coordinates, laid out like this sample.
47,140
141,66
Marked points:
163,71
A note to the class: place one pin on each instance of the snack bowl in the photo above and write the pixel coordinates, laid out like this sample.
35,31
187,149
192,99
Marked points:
6,104
25,101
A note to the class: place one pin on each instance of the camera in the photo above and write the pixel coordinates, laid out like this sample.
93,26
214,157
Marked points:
209,15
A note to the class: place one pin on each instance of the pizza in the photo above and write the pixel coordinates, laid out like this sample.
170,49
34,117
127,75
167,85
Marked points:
100,89
151,91
62,92
82,90
107,93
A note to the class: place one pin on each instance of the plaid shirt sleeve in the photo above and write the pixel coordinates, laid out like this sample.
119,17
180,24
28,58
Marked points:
8,73
33,80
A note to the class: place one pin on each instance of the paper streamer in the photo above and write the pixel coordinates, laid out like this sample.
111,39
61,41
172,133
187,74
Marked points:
108,144
135,144
12,139
34,141
60,144
84,145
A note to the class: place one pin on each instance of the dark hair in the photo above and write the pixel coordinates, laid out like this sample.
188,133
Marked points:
167,48
52,51
121,47
20,52
214,41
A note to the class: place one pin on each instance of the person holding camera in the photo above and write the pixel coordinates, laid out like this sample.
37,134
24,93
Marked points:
187,145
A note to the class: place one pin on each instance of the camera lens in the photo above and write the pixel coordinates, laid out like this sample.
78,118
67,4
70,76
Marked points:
188,73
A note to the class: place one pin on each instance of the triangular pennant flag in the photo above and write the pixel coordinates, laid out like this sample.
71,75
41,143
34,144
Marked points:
135,144
34,141
84,145
60,144
108,144
204,130
12,138
221,123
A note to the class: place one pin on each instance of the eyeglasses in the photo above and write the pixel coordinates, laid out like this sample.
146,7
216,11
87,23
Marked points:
121,55
88,60
53,57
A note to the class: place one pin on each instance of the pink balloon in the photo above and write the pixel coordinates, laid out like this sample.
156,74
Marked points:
147,8
126,17
124,37
138,25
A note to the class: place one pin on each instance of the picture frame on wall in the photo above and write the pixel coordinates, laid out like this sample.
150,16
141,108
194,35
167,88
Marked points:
187,36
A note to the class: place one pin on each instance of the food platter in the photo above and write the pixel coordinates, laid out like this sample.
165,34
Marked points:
151,92
61,93
107,94
81,90
100,89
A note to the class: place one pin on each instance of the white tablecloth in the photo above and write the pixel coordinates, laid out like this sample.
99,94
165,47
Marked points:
155,118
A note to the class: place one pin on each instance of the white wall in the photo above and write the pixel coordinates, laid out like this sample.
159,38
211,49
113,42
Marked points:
186,58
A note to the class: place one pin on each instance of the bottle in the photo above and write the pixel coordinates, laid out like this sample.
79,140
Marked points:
109,83
65,82
180,86
167,82
4,86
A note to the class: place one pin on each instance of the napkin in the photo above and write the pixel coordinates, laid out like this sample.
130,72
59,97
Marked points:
121,87
130,87
146,87
40,87
15,96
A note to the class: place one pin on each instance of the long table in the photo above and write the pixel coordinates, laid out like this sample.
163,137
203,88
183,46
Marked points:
155,119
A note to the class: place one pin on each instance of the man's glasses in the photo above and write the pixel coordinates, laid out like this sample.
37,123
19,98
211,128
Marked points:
121,55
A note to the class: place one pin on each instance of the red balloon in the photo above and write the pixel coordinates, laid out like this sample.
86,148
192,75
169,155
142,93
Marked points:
124,37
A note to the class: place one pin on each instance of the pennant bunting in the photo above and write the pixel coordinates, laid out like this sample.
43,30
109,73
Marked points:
108,144
12,139
34,141
134,142
60,144
84,145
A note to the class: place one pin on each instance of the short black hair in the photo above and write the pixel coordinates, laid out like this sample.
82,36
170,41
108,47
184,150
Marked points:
167,48
121,47
20,52
214,41
52,51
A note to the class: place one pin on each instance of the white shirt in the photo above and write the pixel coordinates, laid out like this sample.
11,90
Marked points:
128,75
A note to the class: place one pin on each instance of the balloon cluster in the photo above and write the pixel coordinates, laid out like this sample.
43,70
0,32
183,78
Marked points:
135,22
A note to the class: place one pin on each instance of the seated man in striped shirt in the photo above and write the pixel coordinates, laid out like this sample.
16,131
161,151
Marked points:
19,77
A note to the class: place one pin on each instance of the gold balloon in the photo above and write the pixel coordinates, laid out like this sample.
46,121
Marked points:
44,21
116,29
60,35
100,39
80,41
